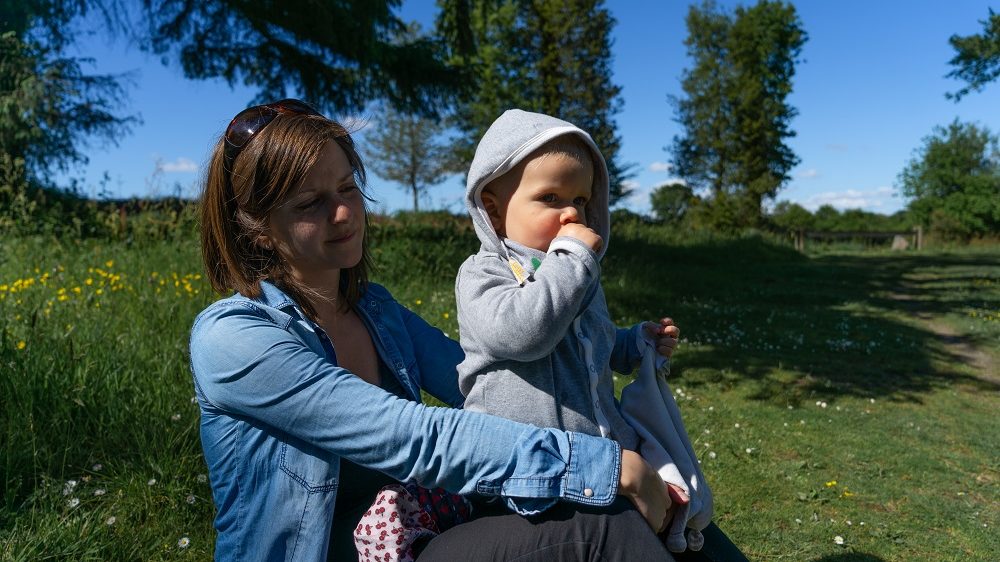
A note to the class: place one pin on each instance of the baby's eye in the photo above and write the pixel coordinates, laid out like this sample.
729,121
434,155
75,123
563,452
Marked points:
348,187
580,201
548,198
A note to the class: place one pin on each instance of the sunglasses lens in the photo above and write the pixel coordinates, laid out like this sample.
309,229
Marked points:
251,120
246,123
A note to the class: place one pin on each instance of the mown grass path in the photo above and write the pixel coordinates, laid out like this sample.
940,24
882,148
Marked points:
843,405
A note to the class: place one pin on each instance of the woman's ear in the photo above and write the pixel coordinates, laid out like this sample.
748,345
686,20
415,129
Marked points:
492,205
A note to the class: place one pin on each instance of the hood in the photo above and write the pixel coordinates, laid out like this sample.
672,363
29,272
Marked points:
512,137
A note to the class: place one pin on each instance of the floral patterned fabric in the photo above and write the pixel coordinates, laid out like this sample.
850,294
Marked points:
403,518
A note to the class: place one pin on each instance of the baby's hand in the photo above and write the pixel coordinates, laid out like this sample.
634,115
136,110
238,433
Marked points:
583,234
665,335
677,494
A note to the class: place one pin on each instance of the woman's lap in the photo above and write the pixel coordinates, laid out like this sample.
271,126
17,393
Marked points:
566,532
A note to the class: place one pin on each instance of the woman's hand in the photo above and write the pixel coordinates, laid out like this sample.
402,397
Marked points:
644,488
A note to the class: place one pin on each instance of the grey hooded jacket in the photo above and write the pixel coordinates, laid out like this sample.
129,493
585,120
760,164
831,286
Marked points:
541,351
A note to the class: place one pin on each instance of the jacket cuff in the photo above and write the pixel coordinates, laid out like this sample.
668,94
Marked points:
573,246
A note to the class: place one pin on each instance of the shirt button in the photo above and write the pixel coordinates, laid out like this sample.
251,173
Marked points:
588,492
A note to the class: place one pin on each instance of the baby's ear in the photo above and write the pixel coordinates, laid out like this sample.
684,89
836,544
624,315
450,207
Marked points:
492,205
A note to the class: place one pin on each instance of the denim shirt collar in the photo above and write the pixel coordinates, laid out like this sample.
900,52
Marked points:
271,295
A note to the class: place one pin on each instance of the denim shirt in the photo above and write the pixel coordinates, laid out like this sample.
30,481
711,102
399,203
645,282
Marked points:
277,413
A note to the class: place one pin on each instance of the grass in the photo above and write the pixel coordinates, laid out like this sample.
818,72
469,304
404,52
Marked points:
848,394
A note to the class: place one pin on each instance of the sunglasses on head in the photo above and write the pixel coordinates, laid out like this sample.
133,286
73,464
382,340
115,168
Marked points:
251,120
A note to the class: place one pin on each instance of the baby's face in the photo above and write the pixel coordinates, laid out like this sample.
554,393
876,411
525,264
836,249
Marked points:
553,191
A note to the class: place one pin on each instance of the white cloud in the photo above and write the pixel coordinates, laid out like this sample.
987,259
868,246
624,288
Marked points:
661,167
810,173
850,199
180,165
631,185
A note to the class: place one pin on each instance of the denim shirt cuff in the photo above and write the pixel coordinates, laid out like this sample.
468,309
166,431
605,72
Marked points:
590,476
590,480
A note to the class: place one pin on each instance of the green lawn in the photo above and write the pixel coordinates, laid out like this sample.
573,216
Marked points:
849,395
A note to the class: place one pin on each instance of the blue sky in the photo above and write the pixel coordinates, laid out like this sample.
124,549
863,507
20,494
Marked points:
871,85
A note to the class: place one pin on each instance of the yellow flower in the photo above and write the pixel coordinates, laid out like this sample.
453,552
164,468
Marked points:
445,315
418,302
21,345
89,281
831,483
109,264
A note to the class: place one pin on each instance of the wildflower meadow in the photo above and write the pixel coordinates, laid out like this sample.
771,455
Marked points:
843,402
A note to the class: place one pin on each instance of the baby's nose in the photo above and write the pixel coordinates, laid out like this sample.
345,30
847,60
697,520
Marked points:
569,215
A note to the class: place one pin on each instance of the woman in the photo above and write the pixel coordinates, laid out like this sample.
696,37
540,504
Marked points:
309,378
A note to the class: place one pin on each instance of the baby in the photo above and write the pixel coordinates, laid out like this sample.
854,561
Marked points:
539,344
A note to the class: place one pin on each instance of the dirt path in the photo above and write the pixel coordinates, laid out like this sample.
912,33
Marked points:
958,345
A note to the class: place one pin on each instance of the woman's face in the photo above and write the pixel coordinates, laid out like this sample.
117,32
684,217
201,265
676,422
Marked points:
319,228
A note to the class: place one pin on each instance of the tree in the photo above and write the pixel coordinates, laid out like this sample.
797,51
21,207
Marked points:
734,114
792,216
49,107
977,57
547,56
953,181
406,148
671,201
827,217
702,155
338,54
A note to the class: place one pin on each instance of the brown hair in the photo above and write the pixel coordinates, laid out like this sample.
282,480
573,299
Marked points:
236,204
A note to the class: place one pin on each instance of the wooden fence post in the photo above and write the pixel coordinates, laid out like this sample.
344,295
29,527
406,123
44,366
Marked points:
920,237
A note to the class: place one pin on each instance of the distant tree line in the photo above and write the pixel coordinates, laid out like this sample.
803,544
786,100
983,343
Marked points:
676,204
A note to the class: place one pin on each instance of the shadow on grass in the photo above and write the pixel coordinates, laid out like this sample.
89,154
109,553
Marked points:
785,326
852,557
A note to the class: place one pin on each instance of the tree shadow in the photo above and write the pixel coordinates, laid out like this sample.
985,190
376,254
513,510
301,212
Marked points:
849,557
789,326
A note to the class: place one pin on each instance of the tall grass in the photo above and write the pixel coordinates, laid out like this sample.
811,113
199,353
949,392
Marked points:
817,397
